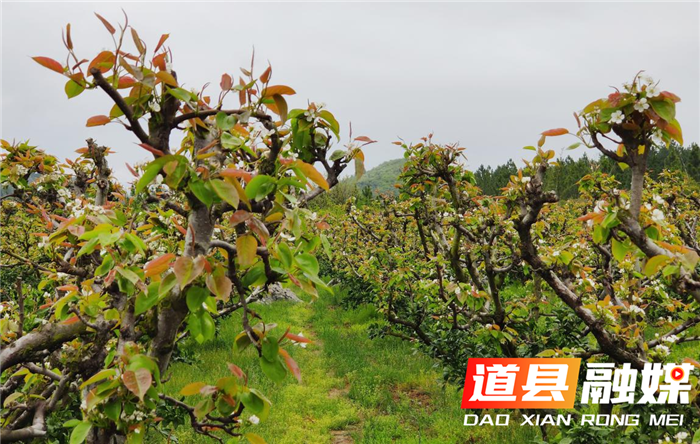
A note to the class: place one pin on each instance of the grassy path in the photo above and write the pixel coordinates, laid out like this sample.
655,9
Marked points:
354,389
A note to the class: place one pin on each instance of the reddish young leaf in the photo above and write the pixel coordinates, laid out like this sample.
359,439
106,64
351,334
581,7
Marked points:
555,132
236,370
240,216
221,286
98,121
670,96
49,63
297,338
364,139
226,82
278,89
162,40
138,382
159,61
152,150
108,25
131,170
239,174
265,77
71,320
158,265
291,364
104,61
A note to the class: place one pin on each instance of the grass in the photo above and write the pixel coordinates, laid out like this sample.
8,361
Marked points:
354,389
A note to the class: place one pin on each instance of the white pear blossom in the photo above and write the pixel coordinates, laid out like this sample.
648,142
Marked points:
657,216
646,79
681,436
636,309
254,420
652,91
657,137
641,105
617,117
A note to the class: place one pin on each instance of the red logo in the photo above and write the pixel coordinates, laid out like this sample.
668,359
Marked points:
677,374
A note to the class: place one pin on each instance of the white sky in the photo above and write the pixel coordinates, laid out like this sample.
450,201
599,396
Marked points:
491,76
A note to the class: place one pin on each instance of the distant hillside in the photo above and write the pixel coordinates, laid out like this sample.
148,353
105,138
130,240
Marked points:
383,177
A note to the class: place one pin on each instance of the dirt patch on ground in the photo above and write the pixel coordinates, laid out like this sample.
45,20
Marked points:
335,393
415,395
341,437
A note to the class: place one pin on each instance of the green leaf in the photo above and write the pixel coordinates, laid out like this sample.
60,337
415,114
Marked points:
665,110
99,376
113,410
259,187
80,432
328,117
181,94
252,401
619,250
202,191
203,408
195,298
128,274
546,353
566,257
270,349
231,142
88,247
654,264
225,191
137,242
275,369
285,255
146,301
254,439
151,171
307,263
337,155
225,122
73,88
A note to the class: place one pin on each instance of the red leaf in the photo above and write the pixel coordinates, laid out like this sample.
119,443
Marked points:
49,63
240,216
291,364
556,132
365,139
98,121
138,382
104,61
159,61
108,25
158,265
297,338
71,320
278,89
162,40
126,82
226,82
265,77
239,174
236,370
131,170
152,150
669,95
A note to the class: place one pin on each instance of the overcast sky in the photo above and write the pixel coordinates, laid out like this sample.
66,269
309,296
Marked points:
491,76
